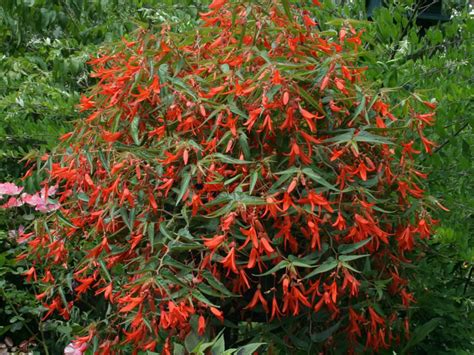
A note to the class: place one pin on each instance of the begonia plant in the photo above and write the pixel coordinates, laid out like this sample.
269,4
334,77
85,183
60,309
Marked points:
242,182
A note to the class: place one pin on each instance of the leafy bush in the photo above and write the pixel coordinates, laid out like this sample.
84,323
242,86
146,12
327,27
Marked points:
242,178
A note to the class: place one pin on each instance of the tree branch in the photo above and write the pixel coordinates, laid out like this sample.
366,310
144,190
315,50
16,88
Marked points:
454,135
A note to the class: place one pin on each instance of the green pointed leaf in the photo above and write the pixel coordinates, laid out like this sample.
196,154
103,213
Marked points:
281,180
344,137
324,335
168,260
191,342
319,179
282,264
216,283
83,197
184,187
324,267
301,264
248,349
308,98
134,130
125,217
208,290
244,144
349,248
64,219
253,181
201,298
178,349
421,332
348,266
229,160
359,108
231,180
170,277
352,257
218,347
364,136
286,8
106,271
151,234
164,231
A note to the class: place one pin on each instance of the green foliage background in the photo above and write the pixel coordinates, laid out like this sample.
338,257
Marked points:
44,47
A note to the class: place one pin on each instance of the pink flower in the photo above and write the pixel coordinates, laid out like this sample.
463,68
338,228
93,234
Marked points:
38,200
12,202
47,207
8,188
75,349
40,203
33,200
51,191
